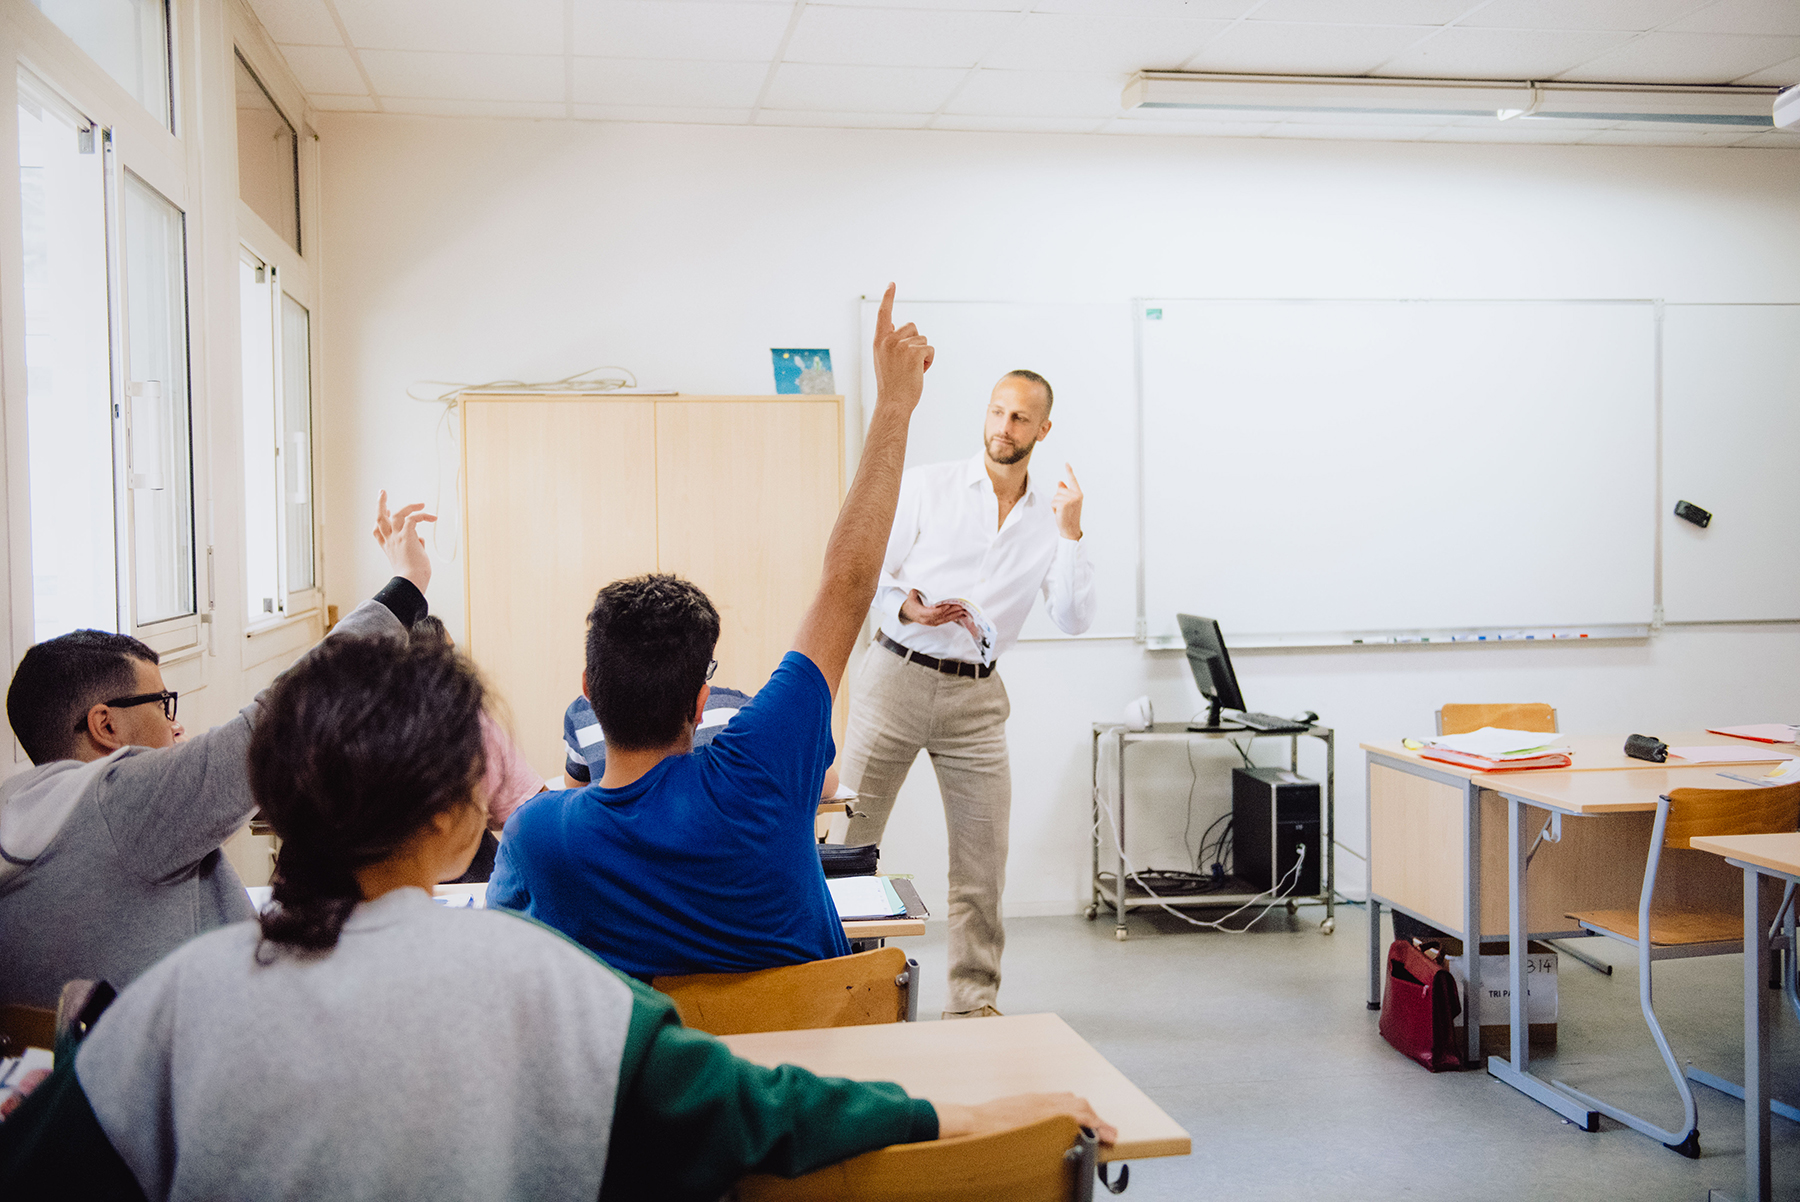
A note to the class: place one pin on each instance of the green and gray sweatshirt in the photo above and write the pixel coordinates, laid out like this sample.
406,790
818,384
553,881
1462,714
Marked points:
434,1053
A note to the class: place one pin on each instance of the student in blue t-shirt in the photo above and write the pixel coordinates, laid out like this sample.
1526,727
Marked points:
682,859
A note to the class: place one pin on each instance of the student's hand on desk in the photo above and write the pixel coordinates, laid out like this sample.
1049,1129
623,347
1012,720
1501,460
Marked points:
1002,1114
400,540
1066,505
902,357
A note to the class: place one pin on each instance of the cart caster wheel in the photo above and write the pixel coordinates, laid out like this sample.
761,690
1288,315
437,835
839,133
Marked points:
1328,926
1292,908
1091,912
1120,934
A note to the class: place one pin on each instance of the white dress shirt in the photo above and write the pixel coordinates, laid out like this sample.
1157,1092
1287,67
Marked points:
948,541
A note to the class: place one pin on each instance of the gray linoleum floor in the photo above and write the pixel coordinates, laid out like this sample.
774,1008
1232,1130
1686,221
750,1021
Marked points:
1261,1046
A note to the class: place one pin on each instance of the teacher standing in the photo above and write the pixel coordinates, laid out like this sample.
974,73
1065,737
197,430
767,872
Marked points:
981,530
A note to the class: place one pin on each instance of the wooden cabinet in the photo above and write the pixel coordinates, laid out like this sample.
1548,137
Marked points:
564,493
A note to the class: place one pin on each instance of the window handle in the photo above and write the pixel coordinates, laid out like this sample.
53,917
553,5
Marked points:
149,394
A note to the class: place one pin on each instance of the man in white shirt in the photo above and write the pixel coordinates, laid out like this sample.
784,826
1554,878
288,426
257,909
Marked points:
980,531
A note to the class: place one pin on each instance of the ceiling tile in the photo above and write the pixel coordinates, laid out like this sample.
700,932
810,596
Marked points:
677,84
1039,94
1208,116
1499,53
843,120
896,37
1707,58
472,26
324,69
1280,48
994,6
661,114
1035,125
1781,75
515,77
1086,43
1359,133
1507,132
862,89
1365,12
1220,10
1635,15
1189,129
652,29
1743,16
1778,139
342,104
1682,136
421,107
298,22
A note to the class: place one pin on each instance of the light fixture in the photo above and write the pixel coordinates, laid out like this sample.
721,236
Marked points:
1787,108
1501,99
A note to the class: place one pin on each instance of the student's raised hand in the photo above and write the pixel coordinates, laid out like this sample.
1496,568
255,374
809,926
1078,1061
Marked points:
902,357
1002,1114
1066,505
400,541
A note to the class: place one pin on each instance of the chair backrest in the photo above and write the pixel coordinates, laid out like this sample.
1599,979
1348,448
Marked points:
846,991
1039,1163
26,1027
1461,718
1767,811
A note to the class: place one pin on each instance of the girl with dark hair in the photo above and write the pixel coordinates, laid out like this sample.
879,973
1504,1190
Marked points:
360,1041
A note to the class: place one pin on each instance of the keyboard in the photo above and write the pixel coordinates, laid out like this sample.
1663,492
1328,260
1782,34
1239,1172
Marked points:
1268,723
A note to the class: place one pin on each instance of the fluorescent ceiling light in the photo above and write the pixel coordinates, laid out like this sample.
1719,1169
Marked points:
1501,99
1787,108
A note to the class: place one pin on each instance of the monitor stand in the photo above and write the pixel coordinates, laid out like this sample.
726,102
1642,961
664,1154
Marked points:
1213,723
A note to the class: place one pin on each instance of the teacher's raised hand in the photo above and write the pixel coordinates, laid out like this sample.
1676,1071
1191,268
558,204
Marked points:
902,357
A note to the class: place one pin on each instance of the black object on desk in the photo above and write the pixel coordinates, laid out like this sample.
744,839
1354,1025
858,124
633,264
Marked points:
1647,747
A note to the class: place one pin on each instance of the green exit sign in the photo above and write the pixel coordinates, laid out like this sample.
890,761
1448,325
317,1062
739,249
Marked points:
1152,314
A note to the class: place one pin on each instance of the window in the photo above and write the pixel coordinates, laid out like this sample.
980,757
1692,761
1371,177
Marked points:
278,486
268,158
68,381
159,476
128,38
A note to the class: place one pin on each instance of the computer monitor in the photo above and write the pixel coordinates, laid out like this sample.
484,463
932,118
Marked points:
1211,664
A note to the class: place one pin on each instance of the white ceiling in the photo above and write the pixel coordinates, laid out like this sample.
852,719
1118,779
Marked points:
1053,65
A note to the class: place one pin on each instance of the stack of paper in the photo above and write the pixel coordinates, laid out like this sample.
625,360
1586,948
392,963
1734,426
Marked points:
1762,732
1492,749
1730,753
858,897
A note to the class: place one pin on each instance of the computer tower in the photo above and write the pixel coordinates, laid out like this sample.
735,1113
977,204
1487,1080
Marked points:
1273,812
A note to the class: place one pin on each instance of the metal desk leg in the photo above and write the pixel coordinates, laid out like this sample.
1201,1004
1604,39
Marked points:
1517,1071
1374,906
1094,833
1119,843
1374,952
1330,923
1757,1184
1472,920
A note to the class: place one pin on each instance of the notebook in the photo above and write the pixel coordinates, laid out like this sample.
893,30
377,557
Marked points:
864,897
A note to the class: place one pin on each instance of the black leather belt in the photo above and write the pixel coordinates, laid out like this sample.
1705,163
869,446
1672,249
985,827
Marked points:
949,667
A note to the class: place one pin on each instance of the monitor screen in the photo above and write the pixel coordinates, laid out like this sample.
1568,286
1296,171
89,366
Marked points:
1211,663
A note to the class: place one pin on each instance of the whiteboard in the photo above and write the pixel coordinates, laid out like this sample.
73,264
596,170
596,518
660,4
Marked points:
1731,430
1085,351
1322,468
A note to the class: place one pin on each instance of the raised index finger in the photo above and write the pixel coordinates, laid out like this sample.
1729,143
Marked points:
884,319
1072,479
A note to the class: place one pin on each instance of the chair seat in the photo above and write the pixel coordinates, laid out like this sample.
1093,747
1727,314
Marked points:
1667,930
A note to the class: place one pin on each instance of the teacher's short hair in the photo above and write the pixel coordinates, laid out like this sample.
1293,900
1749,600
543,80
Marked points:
650,641
1025,373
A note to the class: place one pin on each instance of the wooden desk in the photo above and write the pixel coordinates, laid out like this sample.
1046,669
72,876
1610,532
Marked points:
976,1060
1776,856
476,896
1437,839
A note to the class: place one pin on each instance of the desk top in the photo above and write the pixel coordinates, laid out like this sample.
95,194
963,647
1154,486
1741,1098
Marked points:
976,1060
1778,853
1599,753
1606,792
884,928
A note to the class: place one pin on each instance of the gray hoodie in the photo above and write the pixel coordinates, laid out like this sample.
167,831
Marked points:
107,866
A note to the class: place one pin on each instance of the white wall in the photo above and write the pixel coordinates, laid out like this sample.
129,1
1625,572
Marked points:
467,250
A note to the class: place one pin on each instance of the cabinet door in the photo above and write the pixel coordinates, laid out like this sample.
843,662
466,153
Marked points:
747,492
560,498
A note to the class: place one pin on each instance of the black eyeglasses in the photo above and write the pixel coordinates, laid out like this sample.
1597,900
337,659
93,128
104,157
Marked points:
166,697
711,668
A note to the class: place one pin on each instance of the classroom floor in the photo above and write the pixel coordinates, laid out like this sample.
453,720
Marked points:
1262,1047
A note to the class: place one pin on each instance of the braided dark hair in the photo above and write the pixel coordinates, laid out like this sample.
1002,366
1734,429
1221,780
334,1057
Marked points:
356,748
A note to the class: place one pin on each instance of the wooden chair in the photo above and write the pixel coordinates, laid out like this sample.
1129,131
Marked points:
1460,718
1666,935
846,991
1049,1161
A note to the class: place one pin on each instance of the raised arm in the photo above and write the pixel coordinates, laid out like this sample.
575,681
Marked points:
859,539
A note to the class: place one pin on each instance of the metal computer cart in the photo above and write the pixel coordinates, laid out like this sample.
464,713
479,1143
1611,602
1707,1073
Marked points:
1106,891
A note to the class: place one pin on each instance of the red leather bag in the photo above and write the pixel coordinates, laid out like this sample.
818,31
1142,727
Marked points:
1420,1004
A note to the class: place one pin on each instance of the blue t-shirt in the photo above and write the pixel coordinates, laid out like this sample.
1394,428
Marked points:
584,749
706,863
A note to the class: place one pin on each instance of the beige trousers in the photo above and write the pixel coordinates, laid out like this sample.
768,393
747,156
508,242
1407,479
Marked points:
898,709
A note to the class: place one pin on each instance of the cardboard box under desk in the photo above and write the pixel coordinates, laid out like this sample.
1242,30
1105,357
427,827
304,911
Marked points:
1496,1037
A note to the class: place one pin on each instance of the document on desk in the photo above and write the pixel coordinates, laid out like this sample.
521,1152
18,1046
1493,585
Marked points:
1494,749
864,897
1735,753
1762,732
